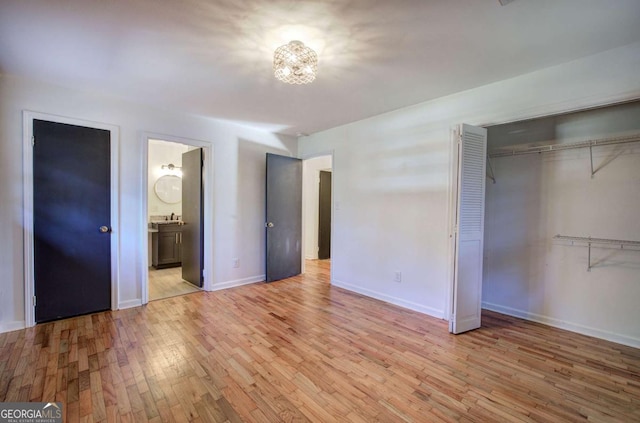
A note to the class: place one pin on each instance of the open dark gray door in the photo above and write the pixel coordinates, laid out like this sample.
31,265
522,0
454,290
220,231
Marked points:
283,217
71,220
324,216
193,218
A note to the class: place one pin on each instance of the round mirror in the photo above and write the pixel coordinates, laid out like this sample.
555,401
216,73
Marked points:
168,188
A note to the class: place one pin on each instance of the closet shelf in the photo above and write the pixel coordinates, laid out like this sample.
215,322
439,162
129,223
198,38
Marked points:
503,152
597,241
557,147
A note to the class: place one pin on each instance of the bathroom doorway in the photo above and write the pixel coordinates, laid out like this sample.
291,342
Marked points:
175,218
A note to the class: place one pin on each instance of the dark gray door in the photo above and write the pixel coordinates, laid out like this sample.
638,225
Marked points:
283,217
324,216
193,217
71,220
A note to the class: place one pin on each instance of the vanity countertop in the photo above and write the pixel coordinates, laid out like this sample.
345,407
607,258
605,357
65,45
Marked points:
153,226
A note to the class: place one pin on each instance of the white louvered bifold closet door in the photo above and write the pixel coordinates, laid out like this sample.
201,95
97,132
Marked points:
469,232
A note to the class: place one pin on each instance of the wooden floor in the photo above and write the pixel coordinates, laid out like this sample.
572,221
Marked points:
301,350
165,283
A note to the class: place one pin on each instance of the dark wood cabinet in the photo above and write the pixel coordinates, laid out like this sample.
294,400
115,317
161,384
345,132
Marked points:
166,245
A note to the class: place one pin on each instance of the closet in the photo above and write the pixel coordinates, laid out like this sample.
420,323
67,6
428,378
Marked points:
562,227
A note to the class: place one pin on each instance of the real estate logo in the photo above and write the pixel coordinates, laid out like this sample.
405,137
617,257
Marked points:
30,412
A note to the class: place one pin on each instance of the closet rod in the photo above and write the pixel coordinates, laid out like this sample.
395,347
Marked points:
558,147
602,241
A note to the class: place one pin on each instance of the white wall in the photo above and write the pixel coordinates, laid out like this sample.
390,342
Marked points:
238,201
311,193
162,153
391,176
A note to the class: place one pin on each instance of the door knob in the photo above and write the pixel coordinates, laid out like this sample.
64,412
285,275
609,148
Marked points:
104,229
269,224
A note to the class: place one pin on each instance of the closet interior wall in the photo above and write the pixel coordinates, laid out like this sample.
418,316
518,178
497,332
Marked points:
528,273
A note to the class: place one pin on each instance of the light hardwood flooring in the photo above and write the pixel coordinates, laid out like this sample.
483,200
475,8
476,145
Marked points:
165,283
302,350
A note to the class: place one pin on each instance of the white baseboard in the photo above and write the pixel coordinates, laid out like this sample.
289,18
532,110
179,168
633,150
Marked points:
389,299
237,282
129,304
561,324
11,326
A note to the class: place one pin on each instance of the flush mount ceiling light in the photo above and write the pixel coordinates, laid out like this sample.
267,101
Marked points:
295,63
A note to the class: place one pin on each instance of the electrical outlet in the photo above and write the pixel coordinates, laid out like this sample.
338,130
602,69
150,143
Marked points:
236,263
398,277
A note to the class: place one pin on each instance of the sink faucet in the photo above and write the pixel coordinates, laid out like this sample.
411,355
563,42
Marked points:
172,214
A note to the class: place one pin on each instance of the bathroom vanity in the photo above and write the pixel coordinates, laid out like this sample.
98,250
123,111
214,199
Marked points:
166,244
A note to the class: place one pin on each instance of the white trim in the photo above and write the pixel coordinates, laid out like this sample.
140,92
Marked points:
27,171
27,210
238,282
565,107
130,304
11,326
144,220
208,171
389,299
303,254
562,324
451,219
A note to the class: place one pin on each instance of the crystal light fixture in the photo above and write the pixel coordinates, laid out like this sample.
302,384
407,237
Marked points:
295,63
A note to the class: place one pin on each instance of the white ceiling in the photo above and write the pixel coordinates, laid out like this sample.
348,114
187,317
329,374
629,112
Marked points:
214,57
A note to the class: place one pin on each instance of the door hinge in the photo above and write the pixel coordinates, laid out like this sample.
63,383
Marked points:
33,141
34,300
203,273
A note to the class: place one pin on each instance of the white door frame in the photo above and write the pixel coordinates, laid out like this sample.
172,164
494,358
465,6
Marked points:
303,250
452,218
27,172
207,170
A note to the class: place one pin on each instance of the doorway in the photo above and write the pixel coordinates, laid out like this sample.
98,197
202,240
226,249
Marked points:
175,218
71,217
71,220
317,210
324,216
